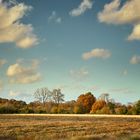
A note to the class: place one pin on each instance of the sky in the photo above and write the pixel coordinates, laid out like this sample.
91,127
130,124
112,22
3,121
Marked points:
75,45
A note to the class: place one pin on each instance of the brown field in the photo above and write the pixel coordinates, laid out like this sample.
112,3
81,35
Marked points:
69,127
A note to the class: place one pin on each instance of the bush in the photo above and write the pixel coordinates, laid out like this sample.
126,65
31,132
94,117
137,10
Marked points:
54,110
8,109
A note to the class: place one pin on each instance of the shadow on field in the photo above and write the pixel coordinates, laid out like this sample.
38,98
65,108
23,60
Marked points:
7,138
134,137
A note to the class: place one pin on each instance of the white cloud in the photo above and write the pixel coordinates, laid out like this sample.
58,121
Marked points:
125,72
27,42
13,93
2,62
82,8
59,20
97,53
113,13
135,59
19,73
79,73
53,17
135,35
11,29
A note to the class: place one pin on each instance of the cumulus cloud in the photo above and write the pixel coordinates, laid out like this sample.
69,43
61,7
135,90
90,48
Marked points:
135,60
2,62
79,73
97,53
82,8
128,13
53,17
135,35
11,28
19,73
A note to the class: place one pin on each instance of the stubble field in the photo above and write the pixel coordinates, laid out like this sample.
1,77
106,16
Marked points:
69,127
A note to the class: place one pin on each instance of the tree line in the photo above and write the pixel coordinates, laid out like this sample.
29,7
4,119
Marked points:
47,101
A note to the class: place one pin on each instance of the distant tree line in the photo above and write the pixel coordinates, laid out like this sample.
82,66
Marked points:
47,101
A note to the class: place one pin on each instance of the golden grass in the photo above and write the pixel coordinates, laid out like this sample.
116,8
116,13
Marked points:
78,127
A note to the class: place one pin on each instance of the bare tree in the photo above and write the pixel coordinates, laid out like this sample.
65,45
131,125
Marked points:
105,97
57,96
42,95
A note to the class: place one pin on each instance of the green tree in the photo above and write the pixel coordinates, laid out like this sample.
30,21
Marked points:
137,107
111,107
121,109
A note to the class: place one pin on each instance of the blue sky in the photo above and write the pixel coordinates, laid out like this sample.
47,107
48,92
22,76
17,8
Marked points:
78,46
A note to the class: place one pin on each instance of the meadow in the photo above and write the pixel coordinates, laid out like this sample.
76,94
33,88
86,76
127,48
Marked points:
69,127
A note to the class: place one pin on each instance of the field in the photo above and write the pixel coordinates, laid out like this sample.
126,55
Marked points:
69,127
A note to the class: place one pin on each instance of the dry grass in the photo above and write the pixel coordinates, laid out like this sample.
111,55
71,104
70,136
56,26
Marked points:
47,127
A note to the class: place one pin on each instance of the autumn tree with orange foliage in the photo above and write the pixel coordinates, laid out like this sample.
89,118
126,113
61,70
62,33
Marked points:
98,105
85,102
